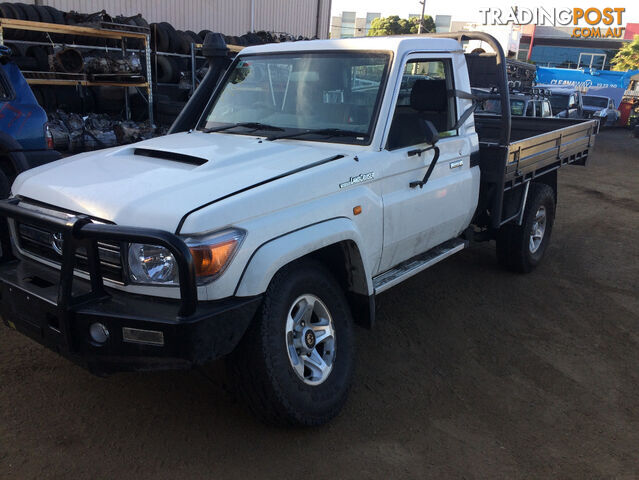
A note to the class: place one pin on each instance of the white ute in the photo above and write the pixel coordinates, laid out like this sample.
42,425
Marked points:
312,177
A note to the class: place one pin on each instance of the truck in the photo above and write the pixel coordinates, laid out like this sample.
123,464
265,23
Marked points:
566,101
25,141
522,104
602,108
298,184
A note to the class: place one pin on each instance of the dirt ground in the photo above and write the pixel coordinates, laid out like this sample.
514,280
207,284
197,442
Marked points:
470,372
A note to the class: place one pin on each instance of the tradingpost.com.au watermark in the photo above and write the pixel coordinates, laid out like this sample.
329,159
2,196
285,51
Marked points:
601,22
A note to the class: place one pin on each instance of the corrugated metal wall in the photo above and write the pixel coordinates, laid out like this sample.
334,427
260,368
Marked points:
231,17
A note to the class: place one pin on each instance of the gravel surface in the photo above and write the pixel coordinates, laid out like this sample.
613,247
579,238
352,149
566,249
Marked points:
470,372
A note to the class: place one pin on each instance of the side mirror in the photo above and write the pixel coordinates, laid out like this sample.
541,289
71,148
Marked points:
432,136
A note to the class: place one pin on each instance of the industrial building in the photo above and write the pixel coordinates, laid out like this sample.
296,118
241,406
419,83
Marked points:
555,47
349,25
308,18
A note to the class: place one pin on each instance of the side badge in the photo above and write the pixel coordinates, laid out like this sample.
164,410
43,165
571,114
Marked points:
362,177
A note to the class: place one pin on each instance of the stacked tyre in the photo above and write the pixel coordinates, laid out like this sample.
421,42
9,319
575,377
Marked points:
170,97
165,38
48,14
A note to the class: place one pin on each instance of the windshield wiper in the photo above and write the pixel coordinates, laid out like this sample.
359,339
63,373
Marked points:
327,132
251,125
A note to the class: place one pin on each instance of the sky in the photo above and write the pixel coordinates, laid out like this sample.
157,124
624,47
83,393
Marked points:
468,10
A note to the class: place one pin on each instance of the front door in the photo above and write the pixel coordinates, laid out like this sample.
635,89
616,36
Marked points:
417,219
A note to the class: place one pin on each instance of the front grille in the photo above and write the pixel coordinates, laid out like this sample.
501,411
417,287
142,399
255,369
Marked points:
43,243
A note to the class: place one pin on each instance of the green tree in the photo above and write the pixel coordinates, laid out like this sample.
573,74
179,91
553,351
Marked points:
627,57
427,27
394,25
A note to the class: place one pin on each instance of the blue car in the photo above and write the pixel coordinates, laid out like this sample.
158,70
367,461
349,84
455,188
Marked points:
25,141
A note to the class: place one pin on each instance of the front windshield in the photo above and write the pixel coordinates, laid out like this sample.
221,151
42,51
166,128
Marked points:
299,91
595,101
559,102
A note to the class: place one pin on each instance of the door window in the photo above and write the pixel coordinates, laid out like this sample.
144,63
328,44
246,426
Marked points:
516,107
423,95
572,103
545,109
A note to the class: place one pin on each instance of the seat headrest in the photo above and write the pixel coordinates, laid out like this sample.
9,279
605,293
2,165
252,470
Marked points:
429,95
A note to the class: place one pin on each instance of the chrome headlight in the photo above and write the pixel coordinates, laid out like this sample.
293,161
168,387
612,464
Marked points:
155,265
151,264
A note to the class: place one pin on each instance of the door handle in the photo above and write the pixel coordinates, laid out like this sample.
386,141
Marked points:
456,164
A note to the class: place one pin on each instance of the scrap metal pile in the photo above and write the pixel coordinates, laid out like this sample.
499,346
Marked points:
74,133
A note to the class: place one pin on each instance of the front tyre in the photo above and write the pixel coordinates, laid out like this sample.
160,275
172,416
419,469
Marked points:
521,247
295,363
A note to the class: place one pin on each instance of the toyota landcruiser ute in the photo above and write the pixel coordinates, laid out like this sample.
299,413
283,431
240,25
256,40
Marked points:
300,182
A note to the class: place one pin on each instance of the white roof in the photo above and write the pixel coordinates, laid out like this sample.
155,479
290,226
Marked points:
396,43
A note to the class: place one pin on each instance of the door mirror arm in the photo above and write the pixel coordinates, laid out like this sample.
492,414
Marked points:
419,151
422,182
432,137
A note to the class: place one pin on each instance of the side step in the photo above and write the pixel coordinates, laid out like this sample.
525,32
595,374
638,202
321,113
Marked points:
417,264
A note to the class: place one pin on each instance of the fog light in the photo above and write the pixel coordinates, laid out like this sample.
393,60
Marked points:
99,333
147,337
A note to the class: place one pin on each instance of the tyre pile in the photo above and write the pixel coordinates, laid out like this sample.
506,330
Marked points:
165,38
171,74
175,70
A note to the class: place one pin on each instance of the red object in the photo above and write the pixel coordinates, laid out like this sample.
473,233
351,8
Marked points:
48,137
625,108
532,39
632,29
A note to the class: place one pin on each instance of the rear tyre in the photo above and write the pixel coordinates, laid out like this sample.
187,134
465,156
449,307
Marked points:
194,37
10,10
202,34
520,248
183,42
30,13
160,38
40,55
295,363
172,36
167,70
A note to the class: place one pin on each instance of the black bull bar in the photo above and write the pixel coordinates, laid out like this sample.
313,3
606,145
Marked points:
79,231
